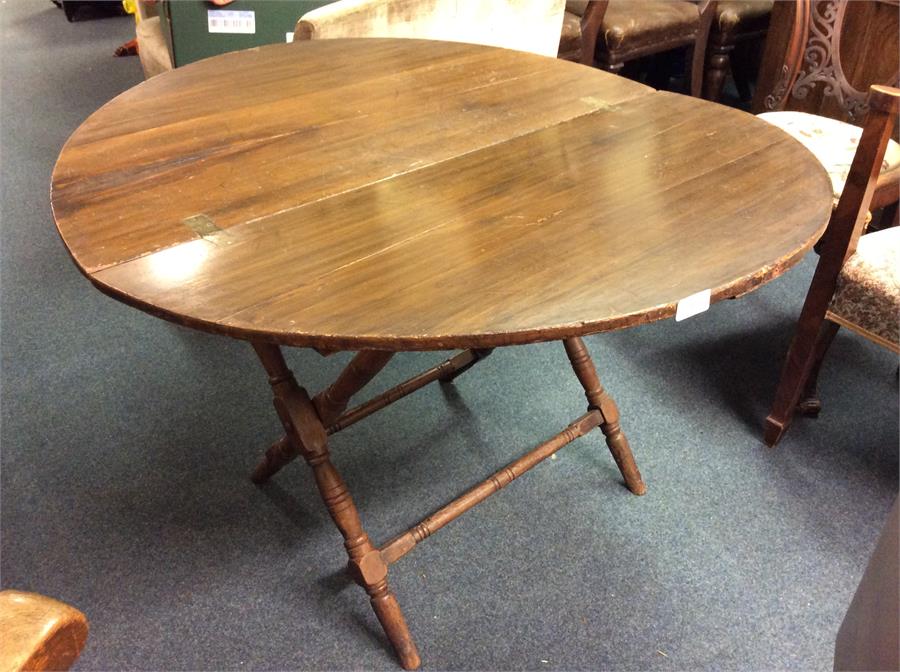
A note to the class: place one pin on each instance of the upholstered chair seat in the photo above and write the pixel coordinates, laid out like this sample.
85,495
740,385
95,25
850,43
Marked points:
608,33
834,144
630,30
736,15
856,283
867,298
570,41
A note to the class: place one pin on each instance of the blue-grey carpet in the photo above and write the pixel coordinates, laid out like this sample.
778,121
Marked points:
127,442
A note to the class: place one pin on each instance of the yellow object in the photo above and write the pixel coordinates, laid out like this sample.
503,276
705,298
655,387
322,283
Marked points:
131,7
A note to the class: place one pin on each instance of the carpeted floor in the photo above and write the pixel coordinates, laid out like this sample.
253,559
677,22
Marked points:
127,441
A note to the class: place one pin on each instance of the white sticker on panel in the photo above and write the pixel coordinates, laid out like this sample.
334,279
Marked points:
231,21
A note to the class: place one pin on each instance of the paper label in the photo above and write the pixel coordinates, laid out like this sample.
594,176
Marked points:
692,305
231,21
289,37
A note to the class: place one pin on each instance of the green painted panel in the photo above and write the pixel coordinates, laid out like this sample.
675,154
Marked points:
191,39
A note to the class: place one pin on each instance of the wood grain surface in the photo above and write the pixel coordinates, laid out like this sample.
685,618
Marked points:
414,195
38,632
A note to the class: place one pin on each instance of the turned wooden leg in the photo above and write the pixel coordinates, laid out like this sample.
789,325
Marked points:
810,404
305,430
741,70
598,399
716,68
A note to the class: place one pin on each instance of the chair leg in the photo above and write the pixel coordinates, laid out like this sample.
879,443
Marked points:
615,68
890,216
599,399
810,404
717,65
740,71
797,368
694,62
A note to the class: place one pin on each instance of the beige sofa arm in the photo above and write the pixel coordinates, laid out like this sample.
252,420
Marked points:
524,25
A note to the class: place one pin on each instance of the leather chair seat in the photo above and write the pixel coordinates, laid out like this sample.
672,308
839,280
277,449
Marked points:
570,39
732,15
630,29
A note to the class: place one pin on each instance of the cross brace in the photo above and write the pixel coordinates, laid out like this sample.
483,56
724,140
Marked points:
309,421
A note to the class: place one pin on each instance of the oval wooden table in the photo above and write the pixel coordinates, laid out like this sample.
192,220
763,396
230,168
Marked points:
393,195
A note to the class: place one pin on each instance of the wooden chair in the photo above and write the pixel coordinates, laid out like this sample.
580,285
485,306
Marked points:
857,281
738,27
38,633
815,89
610,33
524,25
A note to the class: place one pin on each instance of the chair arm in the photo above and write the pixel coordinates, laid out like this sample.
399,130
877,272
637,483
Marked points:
525,25
346,18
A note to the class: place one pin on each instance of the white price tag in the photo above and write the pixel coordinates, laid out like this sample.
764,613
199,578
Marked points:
289,37
231,21
692,305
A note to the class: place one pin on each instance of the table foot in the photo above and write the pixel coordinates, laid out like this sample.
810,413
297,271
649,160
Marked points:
599,399
387,609
305,430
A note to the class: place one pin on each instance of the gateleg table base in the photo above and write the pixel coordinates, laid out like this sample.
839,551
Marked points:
309,421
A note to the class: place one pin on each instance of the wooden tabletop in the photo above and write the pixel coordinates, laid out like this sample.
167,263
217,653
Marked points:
415,195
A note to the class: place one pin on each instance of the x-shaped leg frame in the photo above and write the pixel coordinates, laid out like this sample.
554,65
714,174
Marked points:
308,422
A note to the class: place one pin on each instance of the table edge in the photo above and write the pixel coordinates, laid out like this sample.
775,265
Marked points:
338,343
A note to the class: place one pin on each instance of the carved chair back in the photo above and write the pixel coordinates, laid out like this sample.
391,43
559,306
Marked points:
822,56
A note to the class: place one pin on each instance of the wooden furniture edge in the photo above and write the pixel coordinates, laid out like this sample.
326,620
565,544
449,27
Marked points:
339,343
